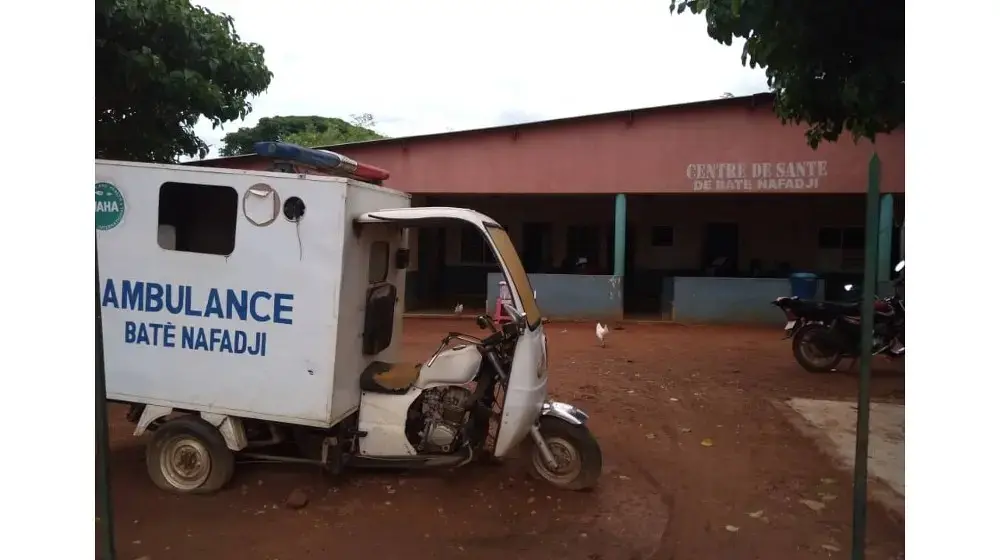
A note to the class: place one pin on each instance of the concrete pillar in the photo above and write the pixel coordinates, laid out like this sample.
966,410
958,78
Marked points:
620,228
883,264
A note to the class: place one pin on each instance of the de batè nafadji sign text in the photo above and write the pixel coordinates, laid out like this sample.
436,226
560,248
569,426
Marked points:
762,176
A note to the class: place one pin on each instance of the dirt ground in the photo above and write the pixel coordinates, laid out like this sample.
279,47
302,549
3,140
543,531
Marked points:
699,463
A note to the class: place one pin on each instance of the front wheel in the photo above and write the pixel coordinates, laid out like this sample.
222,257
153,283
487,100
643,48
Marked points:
576,451
814,349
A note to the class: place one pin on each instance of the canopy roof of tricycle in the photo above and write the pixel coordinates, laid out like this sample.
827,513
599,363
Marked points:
426,215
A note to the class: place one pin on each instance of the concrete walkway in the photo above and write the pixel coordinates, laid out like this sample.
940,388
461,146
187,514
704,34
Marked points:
833,425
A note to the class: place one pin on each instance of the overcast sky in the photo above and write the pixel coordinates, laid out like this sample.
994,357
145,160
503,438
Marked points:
438,65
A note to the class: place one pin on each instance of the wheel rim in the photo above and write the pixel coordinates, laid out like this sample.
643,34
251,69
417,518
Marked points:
185,462
812,353
566,456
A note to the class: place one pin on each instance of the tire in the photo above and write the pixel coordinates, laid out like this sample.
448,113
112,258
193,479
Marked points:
573,444
808,362
179,441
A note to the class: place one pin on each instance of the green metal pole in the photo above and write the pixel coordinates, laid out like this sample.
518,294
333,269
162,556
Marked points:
104,513
620,225
860,520
885,220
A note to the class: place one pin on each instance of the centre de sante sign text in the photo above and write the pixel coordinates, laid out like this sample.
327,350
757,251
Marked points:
765,176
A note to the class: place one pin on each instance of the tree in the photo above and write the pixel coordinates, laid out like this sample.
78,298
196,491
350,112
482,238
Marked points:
833,65
303,130
161,65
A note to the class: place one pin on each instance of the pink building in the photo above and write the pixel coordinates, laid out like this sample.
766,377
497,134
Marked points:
713,204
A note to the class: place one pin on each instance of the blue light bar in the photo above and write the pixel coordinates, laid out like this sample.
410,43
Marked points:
320,159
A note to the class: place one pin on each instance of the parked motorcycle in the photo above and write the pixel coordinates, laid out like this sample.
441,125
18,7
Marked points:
823,333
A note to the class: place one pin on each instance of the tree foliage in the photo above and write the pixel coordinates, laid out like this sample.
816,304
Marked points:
162,64
833,65
305,130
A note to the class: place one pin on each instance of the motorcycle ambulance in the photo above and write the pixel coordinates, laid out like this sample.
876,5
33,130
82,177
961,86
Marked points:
258,315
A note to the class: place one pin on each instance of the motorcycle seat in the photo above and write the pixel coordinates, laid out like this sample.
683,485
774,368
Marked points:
847,308
389,379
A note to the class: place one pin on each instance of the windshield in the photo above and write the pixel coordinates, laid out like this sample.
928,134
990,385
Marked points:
518,277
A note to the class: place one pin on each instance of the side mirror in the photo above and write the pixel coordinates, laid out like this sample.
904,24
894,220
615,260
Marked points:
899,265
483,322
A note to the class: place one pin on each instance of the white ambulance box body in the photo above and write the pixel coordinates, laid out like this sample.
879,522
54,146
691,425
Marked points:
241,293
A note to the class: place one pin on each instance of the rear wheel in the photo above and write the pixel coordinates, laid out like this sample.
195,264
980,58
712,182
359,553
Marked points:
814,349
189,456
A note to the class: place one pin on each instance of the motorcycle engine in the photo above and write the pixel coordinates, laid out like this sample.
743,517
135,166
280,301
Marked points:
443,419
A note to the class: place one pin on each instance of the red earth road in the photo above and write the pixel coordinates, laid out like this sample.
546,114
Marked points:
698,464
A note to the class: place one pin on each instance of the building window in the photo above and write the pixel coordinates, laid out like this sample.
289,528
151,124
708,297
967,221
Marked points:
854,239
830,238
197,218
474,249
841,248
583,242
662,236
848,238
378,262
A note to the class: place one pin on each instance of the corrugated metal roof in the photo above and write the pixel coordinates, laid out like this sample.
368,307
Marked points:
755,100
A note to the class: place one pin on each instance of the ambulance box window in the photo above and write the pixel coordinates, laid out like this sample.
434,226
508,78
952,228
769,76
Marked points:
202,217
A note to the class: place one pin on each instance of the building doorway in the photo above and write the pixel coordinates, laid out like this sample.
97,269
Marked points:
536,247
721,249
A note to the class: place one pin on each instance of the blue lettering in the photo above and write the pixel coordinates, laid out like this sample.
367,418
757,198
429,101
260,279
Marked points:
132,295
214,307
226,344
187,338
189,301
239,342
177,299
141,335
232,341
255,348
279,307
154,297
156,328
172,307
214,338
168,335
253,307
201,343
236,304
110,296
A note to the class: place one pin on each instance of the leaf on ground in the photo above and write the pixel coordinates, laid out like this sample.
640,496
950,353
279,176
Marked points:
813,505
732,528
707,442
756,514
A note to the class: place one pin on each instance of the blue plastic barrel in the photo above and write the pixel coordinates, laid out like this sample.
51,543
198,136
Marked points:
803,285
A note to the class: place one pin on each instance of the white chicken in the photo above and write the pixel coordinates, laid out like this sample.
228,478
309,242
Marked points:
602,331
459,308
